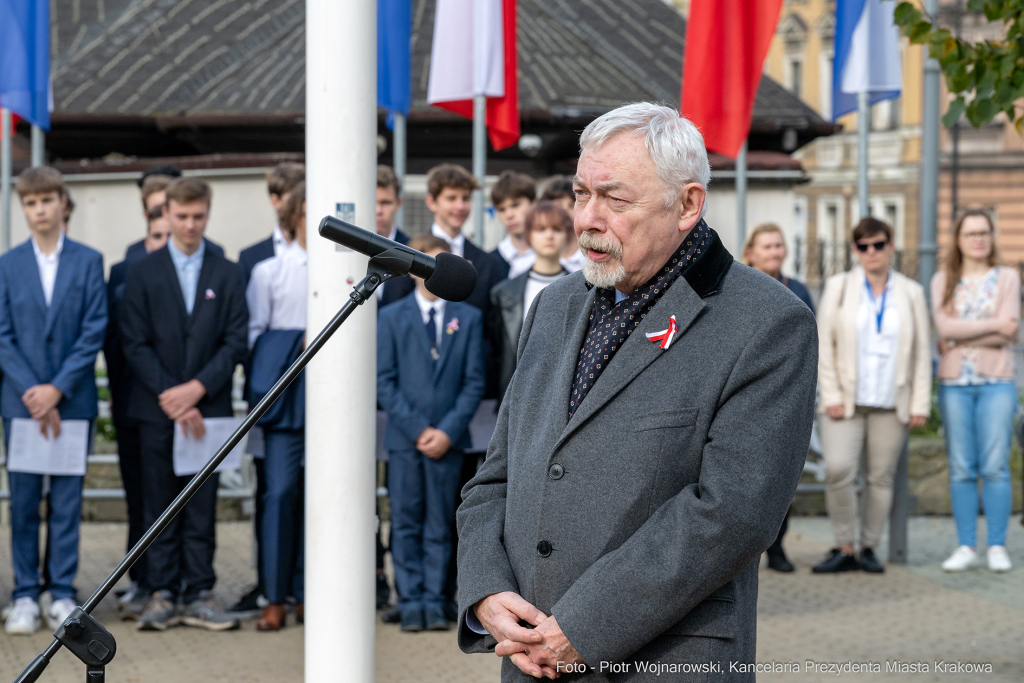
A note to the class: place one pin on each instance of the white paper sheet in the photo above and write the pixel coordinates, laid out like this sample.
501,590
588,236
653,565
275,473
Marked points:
31,452
191,454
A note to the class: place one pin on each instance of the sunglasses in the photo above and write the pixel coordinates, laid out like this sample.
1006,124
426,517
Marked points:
877,246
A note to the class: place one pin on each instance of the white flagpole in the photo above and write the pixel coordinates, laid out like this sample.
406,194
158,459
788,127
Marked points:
341,160
38,146
5,180
741,198
399,161
863,126
479,165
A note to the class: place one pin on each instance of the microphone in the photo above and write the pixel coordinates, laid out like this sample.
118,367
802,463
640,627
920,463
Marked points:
449,277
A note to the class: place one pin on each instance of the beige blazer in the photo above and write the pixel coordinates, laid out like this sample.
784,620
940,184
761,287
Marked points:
837,344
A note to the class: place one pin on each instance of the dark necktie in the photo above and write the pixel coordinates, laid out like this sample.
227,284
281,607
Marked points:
432,332
611,323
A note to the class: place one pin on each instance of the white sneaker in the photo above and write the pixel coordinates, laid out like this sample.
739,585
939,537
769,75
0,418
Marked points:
962,558
998,560
24,618
59,611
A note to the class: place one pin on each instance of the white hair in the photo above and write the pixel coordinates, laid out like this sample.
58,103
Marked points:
674,144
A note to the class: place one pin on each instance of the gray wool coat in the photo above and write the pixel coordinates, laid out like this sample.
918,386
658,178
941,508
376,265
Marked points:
639,523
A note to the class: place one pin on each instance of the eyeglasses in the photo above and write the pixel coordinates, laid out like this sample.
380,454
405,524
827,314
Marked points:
877,246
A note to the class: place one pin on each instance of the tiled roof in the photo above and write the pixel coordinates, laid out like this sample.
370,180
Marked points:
238,57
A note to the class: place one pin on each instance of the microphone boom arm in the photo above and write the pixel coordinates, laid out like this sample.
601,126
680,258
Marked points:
382,267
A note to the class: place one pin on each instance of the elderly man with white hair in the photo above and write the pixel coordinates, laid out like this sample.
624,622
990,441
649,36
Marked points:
651,438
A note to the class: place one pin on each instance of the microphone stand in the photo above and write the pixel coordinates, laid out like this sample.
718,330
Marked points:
85,637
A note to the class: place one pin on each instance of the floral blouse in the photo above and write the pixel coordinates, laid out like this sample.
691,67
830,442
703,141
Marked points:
974,299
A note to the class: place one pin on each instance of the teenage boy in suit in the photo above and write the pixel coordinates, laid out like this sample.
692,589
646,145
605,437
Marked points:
281,180
430,379
184,325
129,457
512,197
53,317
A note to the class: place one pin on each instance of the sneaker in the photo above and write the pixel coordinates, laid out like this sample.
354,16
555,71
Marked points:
159,613
963,558
869,562
132,610
24,618
998,560
130,595
250,605
204,612
58,611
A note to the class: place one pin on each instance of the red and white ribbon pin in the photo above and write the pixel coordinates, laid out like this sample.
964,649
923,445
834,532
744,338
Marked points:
665,336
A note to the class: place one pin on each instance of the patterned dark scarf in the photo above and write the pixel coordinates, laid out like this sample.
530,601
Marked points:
611,323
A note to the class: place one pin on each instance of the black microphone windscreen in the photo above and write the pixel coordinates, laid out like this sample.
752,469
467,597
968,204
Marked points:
453,279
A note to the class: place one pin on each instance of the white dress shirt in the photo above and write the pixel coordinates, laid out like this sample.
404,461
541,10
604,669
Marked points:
574,262
518,263
280,241
438,308
47,264
876,348
457,243
277,293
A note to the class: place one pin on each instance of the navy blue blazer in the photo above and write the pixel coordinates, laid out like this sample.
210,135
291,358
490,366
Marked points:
119,374
57,344
250,256
417,392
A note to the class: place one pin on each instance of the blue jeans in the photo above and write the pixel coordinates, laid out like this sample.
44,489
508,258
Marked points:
281,535
423,493
979,426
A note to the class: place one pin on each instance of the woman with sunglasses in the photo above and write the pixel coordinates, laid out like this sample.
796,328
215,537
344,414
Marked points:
874,370
976,305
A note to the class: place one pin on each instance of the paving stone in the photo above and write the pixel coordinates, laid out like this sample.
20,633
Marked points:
911,613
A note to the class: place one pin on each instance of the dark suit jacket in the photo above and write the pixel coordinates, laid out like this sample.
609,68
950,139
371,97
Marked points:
418,392
55,344
504,267
137,250
119,374
166,347
507,322
250,256
639,523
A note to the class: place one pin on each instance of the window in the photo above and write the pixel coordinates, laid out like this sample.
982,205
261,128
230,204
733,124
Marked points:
796,78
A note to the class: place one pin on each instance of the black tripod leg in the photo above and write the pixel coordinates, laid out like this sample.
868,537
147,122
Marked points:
95,674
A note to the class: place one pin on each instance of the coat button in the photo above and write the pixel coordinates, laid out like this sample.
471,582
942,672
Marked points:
544,548
556,471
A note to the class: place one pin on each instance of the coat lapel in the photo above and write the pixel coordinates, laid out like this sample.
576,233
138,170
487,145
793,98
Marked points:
512,313
574,332
171,275
65,264
202,284
414,325
451,312
636,353
27,255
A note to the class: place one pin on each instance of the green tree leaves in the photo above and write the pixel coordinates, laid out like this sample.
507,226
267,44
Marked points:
988,76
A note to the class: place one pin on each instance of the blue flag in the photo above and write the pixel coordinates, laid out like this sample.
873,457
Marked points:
25,59
867,54
394,79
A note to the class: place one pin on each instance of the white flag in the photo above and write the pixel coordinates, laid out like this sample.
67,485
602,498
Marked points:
467,56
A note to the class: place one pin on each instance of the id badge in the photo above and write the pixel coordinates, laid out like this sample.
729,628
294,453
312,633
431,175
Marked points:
880,346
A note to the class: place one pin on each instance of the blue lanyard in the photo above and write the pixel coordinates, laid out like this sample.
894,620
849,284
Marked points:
880,312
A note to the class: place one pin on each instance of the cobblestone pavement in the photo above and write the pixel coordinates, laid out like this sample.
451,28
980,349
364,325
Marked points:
912,613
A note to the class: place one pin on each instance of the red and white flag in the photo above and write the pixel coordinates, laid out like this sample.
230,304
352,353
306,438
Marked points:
726,44
474,53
